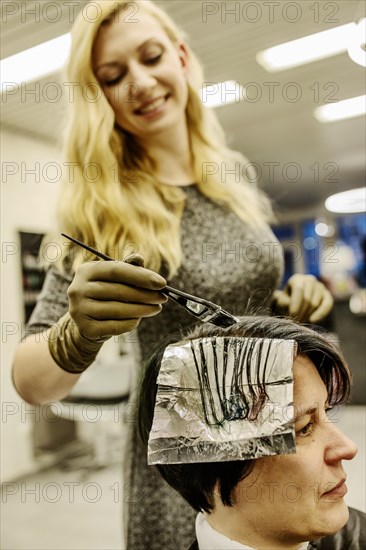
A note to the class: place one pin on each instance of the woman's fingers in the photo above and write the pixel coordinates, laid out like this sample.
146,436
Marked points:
101,319
317,296
309,299
121,272
317,301
301,287
282,300
107,298
324,307
98,290
135,259
120,282
118,311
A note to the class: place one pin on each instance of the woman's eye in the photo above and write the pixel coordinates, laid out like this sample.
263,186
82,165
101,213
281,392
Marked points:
153,60
306,430
113,81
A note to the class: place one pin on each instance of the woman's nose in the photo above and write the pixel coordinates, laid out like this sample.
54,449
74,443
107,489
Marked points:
339,446
140,80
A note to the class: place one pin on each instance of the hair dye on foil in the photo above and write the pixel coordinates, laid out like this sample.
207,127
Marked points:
223,398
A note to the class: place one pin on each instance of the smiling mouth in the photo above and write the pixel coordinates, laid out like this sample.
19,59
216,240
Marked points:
152,106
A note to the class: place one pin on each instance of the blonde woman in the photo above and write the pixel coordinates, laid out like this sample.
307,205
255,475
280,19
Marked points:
137,120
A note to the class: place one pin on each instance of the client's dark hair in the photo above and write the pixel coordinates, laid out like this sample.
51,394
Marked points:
197,482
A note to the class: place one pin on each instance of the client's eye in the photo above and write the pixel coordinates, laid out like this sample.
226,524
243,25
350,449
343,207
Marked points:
306,430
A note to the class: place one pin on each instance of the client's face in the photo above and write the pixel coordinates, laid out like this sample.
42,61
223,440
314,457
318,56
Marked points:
299,497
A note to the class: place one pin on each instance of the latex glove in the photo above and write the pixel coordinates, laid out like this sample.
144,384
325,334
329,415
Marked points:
304,298
105,299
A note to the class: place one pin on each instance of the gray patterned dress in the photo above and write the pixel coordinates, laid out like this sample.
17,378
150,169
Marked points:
225,261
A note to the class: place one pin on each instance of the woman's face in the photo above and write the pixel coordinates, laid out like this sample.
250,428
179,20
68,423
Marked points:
299,497
143,75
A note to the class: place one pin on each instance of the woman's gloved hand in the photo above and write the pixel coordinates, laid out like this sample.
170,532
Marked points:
105,299
304,298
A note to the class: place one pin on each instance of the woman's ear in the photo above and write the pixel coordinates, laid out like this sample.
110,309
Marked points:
183,56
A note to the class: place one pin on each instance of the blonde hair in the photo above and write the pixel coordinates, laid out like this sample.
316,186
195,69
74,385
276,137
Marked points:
123,206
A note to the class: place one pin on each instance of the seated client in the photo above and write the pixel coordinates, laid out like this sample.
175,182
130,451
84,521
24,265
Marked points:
239,421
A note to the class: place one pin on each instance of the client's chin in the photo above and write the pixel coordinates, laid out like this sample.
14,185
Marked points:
335,516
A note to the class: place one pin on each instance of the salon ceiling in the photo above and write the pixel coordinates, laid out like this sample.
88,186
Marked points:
266,131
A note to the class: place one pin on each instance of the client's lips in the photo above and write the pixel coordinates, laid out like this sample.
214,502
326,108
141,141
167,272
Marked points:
338,490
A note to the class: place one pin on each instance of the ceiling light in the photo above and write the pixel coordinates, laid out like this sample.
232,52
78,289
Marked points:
223,93
36,62
307,49
323,229
356,46
347,202
347,108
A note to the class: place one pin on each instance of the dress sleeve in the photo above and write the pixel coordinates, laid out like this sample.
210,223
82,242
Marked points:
52,302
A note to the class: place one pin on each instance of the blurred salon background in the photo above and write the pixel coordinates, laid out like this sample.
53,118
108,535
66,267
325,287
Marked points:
297,112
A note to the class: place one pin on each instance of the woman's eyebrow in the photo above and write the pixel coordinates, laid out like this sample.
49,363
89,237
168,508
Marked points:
310,410
110,64
115,63
145,43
